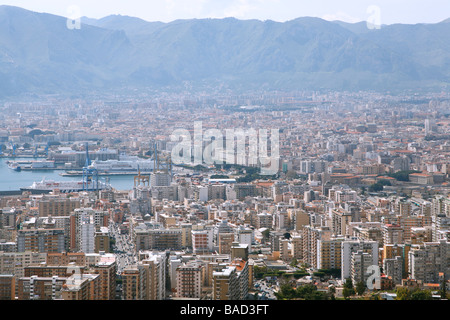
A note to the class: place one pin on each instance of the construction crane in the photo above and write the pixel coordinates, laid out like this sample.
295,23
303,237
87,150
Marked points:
141,179
90,174
162,163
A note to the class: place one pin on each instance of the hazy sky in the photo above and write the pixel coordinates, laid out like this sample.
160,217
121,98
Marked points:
386,11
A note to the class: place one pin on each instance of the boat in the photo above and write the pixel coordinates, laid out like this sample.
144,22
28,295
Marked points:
66,186
128,165
14,166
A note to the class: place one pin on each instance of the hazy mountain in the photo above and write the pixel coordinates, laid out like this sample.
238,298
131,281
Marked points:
38,53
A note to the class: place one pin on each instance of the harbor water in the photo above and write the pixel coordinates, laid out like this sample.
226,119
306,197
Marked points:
11,180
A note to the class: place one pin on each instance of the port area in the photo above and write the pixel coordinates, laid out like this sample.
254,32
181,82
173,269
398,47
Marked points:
80,173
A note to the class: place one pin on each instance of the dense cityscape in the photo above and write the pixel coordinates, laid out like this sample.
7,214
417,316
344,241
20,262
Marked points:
358,207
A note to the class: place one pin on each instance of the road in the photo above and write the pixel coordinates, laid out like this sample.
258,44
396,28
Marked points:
124,248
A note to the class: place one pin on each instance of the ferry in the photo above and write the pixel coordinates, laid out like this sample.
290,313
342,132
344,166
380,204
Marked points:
14,166
66,186
130,166
31,165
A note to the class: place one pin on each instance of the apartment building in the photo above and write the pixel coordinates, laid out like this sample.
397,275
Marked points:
310,239
133,278
81,287
56,207
189,281
394,268
329,253
158,239
225,284
428,260
360,262
349,247
7,287
202,241
393,234
41,240
40,288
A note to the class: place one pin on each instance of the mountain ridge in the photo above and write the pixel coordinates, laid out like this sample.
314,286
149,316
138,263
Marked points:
38,53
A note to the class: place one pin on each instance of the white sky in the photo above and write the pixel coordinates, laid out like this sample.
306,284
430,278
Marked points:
390,11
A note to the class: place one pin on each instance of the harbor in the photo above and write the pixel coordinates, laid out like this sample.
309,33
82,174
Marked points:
13,181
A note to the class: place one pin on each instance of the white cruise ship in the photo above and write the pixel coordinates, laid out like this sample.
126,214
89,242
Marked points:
65,186
128,164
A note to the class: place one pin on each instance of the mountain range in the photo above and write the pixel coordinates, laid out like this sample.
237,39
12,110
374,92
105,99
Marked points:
39,54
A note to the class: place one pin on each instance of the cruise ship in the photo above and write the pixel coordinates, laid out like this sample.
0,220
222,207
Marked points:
31,165
125,164
65,186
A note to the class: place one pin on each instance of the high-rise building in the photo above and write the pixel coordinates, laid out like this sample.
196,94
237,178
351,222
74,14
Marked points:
440,227
82,229
245,236
264,220
225,241
55,207
297,248
186,236
393,268
392,234
239,251
189,281
160,179
310,239
101,239
7,287
40,288
340,219
202,241
225,284
391,251
133,278
41,240
107,270
158,239
245,190
81,287
430,126
349,247
329,253
360,262
428,260
231,282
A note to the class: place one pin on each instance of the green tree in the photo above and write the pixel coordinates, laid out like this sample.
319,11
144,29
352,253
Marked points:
421,295
332,291
360,288
310,292
294,262
348,283
376,187
348,290
286,292
363,190
291,175
266,234
443,290
403,294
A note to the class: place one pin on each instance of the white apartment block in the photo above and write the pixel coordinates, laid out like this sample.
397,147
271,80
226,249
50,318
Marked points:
350,247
